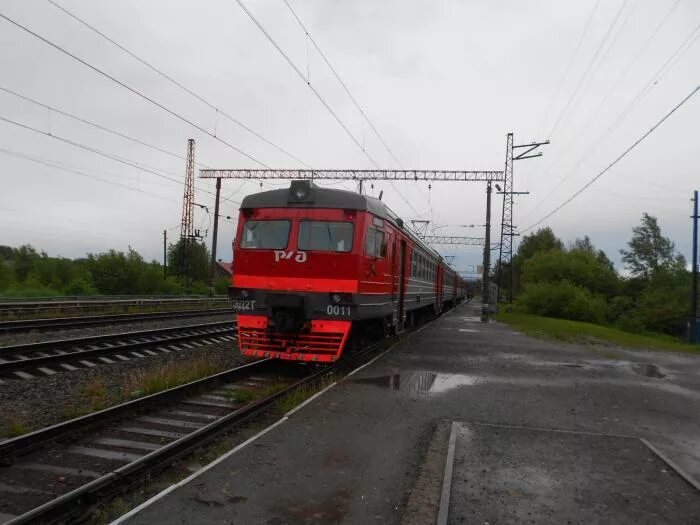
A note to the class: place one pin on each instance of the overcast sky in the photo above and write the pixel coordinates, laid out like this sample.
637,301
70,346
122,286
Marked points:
443,82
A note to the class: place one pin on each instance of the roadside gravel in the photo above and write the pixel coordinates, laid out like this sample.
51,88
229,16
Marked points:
35,403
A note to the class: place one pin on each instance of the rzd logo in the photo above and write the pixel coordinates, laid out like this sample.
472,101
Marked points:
299,257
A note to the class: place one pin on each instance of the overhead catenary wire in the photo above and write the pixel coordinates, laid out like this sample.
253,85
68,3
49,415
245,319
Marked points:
96,126
101,153
567,68
56,165
178,84
614,162
132,90
577,133
342,83
325,104
301,75
658,75
588,68
354,101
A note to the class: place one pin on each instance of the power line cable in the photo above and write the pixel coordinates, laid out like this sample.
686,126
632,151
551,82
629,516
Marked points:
622,76
618,159
347,91
588,68
132,90
301,75
658,75
95,125
568,68
342,83
53,164
178,84
105,154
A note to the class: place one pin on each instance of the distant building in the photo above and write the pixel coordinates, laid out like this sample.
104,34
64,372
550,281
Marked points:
224,269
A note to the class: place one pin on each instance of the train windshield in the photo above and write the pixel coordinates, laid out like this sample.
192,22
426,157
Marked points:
270,235
325,236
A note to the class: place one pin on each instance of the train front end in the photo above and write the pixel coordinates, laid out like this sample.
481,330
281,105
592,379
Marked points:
295,273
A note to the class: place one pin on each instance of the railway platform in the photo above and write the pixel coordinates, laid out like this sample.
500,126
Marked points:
465,422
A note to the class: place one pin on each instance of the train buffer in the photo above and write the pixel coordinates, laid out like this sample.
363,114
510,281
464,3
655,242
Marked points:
466,422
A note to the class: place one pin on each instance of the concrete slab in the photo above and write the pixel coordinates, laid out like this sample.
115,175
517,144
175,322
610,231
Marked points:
368,450
505,474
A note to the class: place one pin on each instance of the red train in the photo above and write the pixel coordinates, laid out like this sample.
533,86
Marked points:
310,262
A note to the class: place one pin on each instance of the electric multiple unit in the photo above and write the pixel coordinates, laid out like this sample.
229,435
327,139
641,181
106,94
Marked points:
311,262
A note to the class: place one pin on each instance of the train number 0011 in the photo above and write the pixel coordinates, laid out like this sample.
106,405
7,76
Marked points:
334,309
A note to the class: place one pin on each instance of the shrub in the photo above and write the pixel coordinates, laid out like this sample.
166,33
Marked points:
564,300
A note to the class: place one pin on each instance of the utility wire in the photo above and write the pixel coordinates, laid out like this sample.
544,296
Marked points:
56,165
621,77
347,91
568,68
178,84
345,87
658,75
301,75
618,159
95,125
588,68
132,90
110,156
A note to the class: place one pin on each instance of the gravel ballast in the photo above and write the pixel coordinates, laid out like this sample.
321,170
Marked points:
30,404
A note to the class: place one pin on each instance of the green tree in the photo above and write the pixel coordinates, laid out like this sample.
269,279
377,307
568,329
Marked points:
190,258
24,259
541,241
649,250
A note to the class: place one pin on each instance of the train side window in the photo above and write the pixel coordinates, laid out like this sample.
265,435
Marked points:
374,243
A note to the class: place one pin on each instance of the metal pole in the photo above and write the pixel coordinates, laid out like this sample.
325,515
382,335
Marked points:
214,236
485,313
165,254
695,258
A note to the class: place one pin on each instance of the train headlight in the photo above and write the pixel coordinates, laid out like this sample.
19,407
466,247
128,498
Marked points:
244,293
336,298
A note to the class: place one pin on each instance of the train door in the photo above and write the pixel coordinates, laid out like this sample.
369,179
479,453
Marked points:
399,284
439,291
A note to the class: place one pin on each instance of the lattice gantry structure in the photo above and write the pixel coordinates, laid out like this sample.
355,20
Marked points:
447,239
187,223
508,228
355,175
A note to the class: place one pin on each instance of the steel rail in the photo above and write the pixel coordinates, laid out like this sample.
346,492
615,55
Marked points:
21,445
44,360
25,325
78,503
24,348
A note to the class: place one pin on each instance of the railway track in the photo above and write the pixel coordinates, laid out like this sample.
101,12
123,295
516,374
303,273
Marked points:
56,323
29,360
60,473
51,472
33,306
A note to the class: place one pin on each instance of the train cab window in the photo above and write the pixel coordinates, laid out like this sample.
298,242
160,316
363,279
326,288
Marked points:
374,243
266,235
325,236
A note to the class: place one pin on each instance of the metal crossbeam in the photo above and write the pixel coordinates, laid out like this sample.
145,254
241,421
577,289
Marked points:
446,239
355,175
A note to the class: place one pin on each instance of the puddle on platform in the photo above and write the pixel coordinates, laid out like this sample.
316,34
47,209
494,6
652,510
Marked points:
422,383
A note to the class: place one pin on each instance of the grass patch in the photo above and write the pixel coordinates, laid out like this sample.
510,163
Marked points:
298,396
587,333
93,396
241,396
143,383
13,427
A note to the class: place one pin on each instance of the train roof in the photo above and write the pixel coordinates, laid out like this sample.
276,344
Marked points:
317,197
306,194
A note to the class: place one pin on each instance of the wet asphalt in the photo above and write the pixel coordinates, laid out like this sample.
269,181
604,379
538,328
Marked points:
546,433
